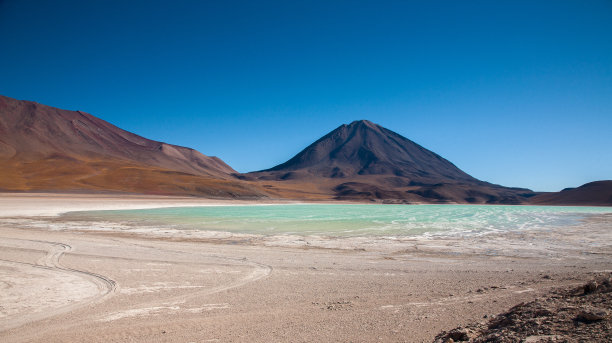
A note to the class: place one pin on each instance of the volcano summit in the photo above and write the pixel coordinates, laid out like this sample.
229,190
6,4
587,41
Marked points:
363,160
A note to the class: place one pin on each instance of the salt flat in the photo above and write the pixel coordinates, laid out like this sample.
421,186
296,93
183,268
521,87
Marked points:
62,283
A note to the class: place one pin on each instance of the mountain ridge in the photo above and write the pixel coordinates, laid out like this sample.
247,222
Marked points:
50,149
592,193
43,148
78,133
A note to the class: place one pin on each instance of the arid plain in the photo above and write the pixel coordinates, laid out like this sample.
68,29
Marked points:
65,283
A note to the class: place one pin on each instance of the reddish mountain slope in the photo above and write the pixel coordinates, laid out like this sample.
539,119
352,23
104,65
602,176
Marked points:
31,131
597,193
363,160
45,148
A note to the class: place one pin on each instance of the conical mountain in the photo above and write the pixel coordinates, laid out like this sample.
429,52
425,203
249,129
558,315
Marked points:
363,160
365,148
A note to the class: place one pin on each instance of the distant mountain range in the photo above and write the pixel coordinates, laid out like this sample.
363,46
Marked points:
48,149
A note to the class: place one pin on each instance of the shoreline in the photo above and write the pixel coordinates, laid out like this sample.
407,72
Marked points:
71,202
52,205
99,286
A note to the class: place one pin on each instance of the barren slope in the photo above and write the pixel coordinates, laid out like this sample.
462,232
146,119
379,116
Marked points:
597,193
45,148
364,161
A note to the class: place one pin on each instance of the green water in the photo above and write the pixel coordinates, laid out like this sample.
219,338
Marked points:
349,220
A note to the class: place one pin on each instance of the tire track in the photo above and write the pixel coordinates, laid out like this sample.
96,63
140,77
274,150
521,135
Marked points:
107,287
260,271
51,261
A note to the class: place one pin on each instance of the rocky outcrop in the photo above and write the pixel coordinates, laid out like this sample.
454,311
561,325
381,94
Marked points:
566,315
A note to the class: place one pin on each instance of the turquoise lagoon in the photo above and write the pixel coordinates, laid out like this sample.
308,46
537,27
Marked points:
350,220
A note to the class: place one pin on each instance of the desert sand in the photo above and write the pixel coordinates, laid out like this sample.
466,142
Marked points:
62,282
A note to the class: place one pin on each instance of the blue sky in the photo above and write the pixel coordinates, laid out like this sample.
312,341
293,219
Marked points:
513,92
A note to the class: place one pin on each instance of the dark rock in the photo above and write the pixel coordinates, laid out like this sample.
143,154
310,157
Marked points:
455,335
592,315
590,287
566,315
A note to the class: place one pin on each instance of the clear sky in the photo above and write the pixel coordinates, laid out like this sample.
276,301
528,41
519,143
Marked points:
513,92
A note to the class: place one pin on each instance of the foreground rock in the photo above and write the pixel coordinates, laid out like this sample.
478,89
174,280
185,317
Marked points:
569,315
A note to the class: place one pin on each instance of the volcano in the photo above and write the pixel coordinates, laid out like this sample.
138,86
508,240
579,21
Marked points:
364,148
363,160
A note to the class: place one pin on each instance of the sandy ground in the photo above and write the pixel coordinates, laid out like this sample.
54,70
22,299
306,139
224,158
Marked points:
63,282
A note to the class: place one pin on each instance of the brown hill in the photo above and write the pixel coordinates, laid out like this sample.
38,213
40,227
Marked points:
597,193
362,161
45,148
